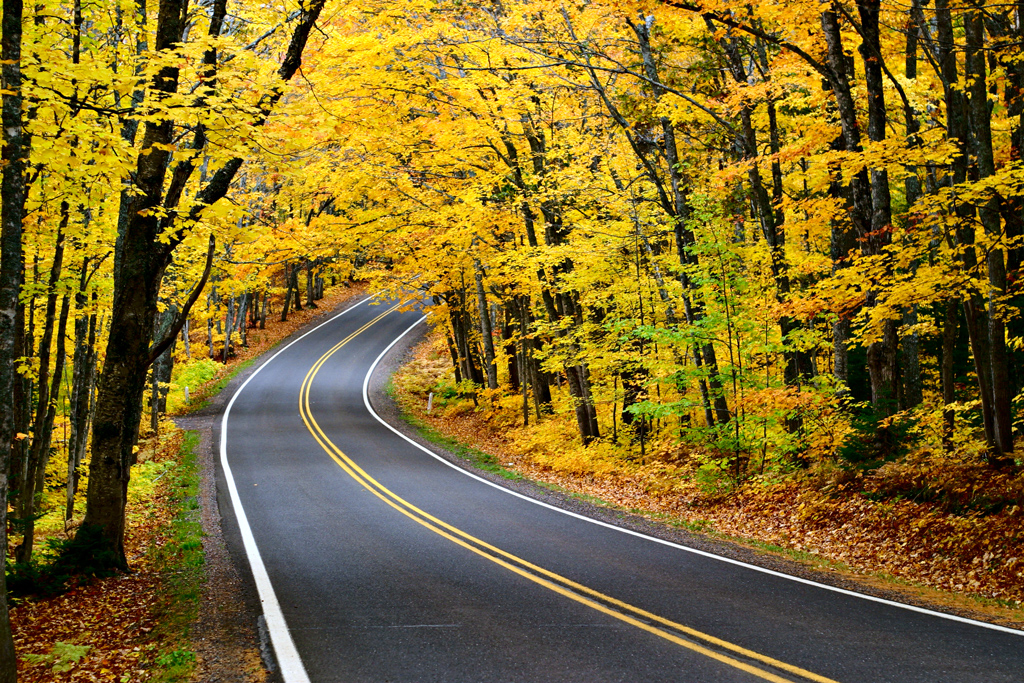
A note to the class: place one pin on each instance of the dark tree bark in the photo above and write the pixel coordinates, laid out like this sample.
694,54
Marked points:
39,451
486,332
462,330
949,334
287,292
83,382
163,366
988,212
12,212
145,251
297,293
263,310
509,347
871,207
311,282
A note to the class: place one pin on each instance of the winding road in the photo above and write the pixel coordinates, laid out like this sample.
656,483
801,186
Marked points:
378,561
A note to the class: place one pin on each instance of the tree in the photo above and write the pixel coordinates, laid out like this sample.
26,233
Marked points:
12,214
154,226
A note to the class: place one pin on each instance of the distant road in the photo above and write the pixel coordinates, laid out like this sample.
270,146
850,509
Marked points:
377,562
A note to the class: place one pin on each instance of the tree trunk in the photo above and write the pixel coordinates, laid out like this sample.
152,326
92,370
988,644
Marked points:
242,325
486,332
83,386
310,284
229,329
949,333
287,292
988,212
163,367
149,238
509,347
41,432
12,212
185,331
297,295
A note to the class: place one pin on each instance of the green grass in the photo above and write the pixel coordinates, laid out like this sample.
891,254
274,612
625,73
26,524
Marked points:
201,398
182,561
476,458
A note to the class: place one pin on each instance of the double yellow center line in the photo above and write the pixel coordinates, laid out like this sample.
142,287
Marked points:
720,650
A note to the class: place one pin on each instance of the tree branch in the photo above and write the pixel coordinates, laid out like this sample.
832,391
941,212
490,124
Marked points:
165,343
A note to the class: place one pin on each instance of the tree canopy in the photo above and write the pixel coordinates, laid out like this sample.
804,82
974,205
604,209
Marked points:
721,226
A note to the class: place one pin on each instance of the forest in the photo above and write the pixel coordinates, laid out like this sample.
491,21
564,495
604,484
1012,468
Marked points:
775,242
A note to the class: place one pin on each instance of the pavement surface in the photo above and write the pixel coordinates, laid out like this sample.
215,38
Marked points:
376,561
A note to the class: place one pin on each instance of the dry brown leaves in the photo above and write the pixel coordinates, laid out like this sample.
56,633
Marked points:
115,618
109,629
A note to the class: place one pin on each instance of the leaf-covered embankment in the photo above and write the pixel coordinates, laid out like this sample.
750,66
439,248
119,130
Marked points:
141,626
928,521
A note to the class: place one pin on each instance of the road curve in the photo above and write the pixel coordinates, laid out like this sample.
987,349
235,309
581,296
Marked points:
375,561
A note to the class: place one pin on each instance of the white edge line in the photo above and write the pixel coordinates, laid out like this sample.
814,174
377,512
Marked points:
702,553
292,669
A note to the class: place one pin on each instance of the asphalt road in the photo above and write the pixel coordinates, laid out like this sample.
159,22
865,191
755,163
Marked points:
377,562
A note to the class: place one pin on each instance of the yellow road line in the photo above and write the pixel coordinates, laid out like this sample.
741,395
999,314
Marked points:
466,540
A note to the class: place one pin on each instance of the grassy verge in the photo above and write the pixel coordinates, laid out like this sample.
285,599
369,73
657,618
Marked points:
205,393
181,559
475,457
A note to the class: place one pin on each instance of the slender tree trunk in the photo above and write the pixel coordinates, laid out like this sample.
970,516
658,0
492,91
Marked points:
79,396
185,331
910,348
163,367
84,386
310,284
881,354
41,433
242,325
287,292
12,212
949,333
297,295
229,328
486,333
981,138
508,329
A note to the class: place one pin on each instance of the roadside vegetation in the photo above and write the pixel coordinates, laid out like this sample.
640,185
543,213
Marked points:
932,521
79,620
752,257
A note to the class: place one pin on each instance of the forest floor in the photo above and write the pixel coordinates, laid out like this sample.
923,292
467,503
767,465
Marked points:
182,613
932,531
